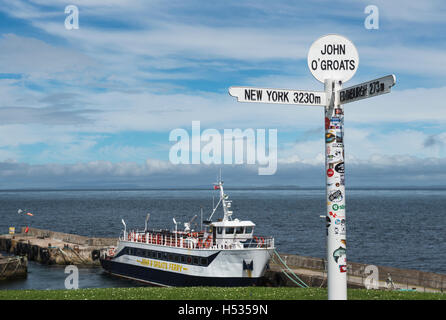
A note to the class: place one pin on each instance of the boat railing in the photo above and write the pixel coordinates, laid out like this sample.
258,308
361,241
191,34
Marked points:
192,240
259,242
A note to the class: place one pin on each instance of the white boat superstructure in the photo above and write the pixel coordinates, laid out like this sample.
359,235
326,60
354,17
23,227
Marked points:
223,253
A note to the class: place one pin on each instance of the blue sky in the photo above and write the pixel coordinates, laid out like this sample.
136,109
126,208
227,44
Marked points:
94,106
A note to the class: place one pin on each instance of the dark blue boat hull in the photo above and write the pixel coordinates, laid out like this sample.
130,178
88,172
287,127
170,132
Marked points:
167,278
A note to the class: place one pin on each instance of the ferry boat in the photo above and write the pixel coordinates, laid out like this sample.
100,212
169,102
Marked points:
224,253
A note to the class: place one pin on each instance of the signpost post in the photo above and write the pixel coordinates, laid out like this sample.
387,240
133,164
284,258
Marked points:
333,60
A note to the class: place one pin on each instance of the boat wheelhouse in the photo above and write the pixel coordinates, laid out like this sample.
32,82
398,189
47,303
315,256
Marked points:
222,253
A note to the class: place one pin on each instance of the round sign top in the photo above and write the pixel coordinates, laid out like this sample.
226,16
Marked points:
333,57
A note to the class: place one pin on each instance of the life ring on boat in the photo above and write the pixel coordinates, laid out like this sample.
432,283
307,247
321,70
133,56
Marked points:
200,243
260,241
208,241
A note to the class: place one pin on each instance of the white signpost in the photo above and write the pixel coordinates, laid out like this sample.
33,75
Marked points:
332,59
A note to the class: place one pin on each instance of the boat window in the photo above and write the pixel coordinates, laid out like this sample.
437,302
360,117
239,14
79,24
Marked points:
165,256
189,260
229,230
195,260
176,258
248,229
239,230
170,257
203,261
219,230
159,255
130,251
182,259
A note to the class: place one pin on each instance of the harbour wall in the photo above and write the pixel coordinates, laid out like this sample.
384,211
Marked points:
313,271
70,238
50,247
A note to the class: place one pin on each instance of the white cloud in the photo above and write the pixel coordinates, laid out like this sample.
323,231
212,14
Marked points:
409,59
185,40
366,146
381,171
110,72
400,106
431,11
37,58
21,134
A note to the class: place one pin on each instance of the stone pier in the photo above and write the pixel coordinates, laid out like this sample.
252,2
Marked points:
314,273
49,247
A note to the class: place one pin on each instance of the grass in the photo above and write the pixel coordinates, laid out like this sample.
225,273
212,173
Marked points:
211,293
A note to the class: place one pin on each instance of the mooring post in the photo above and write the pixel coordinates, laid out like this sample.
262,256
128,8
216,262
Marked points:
335,193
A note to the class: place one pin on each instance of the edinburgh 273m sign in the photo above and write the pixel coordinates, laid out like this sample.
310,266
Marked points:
333,60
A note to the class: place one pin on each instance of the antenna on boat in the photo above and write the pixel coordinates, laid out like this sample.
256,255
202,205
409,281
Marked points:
175,221
125,227
223,199
201,222
147,221
214,207
176,229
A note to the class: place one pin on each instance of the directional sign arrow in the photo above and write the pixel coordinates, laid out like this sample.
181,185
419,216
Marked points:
367,89
280,96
